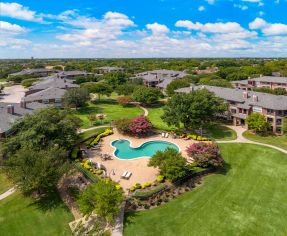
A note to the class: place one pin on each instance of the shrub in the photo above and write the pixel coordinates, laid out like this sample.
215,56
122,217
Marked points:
132,189
105,133
138,186
124,100
99,172
75,153
123,125
140,126
160,178
205,154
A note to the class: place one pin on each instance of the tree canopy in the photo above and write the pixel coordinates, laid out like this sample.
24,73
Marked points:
171,163
103,197
193,110
43,128
257,122
146,95
99,88
76,97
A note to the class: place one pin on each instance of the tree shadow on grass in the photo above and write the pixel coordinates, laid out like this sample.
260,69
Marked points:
224,169
49,202
130,218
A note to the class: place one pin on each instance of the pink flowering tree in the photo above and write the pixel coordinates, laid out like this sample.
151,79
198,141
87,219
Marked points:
140,126
205,154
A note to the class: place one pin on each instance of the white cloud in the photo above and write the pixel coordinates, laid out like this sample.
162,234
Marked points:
211,2
18,11
242,7
228,27
201,8
268,28
157,29
258,23
11,28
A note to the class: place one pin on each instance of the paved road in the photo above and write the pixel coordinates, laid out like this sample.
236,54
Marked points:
241,139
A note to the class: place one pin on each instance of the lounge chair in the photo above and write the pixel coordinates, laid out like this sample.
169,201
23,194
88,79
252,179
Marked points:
166,135
124,174
128,175
162,135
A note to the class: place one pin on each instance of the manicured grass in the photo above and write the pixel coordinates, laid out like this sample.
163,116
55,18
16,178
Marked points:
21,216
221,132
91,133
110,108
249,198
5,184
278,141
154,115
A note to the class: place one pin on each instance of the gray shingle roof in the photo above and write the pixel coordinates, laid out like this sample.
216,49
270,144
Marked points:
165,83
50,93
6,119
34,71
53,82
266,79
264,100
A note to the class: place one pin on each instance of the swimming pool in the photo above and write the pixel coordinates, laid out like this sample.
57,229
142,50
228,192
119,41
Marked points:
126,152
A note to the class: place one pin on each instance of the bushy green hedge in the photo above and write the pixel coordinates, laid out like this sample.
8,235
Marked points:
75,153
197,137
98,138
86,172
146,194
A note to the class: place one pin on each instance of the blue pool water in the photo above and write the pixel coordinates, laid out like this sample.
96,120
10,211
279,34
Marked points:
126,152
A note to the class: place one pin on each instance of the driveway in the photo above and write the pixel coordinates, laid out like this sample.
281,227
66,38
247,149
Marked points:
13,94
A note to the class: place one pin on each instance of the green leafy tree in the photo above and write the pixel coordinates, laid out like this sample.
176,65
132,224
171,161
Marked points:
146,95
103,197
257,122
193,110
98,88
126,89
76,97
115,78
46,127
28,82
37,170
171,164
176,84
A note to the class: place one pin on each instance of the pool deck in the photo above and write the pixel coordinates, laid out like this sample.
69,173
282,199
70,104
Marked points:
141,173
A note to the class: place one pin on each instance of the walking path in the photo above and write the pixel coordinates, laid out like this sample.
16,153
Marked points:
118,229
145,111
7,193
241,139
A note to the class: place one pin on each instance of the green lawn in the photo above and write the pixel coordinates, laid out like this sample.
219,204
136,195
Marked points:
88,134
5,184
249,199
110,108
154,115
279,141
21,216
221,132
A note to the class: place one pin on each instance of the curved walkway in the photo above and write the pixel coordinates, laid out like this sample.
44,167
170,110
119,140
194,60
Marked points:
145,111
241,139
7,193
92,128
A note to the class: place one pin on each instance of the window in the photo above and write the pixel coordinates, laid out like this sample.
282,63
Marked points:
257,109
45,101
58,100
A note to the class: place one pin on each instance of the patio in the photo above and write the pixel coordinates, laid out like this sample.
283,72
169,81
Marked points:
141,173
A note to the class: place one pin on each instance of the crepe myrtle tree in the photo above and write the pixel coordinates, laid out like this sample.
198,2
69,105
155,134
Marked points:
140,126
205,154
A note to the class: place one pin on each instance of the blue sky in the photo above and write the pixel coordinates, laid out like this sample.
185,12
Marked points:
150,28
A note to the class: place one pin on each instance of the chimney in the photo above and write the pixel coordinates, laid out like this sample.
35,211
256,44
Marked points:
10,109
245,95
23,104
255,98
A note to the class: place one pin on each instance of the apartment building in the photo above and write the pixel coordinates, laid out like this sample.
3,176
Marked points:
271,82
10,112
243,103
159,78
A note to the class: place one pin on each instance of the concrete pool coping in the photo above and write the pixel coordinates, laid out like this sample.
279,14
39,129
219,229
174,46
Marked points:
141,144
